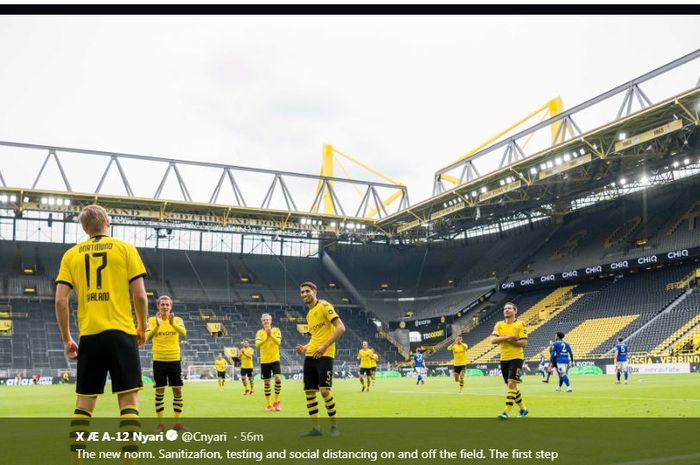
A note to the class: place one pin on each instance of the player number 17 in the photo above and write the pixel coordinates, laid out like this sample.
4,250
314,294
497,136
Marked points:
98,270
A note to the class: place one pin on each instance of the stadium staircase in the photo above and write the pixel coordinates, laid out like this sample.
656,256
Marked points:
624,231
569,246
681,336
543,311
690,216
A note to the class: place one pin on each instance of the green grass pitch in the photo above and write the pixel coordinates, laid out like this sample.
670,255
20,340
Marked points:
594,396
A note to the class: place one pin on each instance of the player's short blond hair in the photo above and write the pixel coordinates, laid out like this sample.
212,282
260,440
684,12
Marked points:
94,219
164,297
265,315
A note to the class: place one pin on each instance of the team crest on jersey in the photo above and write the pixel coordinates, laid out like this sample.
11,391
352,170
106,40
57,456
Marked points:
330,311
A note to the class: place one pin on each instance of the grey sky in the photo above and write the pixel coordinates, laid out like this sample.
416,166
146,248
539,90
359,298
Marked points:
407,95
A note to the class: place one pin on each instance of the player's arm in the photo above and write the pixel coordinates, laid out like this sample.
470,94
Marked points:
276,337
521,339
449,347
138,290
63,319
179,327
152,328
496,339
571,354
337,332
260,338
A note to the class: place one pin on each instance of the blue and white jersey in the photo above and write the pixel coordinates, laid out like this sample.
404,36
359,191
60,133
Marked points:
543,361
562,351
621,349
418,360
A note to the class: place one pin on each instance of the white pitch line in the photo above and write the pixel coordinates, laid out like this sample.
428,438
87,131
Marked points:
660,460
571,395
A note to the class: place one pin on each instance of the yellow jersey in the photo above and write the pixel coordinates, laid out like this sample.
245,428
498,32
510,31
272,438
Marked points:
320,321
100,270
246,357
365,358
459,354
220,364
166,338
373,361
269,346
510,351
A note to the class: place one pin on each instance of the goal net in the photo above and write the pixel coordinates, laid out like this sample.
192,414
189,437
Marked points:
208,373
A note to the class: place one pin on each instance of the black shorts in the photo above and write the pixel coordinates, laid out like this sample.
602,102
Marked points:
374,370
113,352
553,361
459,369
167,374
268,369
366,371
221,374
318,373
511,369
247,372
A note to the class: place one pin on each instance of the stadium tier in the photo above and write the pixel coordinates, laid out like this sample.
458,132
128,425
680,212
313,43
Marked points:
375,284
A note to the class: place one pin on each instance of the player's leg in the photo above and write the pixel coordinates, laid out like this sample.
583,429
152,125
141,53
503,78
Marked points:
160,380
125,371
514,380
310,390
129,421
178,405
564,370
362,379
461,379
80,425
625,368
373,375
244,380
278,385
266,371
90,381
175,382
325,382
510,393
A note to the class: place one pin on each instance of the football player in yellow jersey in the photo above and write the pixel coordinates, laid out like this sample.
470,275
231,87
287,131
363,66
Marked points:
459,360
326,328
220,367
165,330
365,358
268,340
511,335
373,368
102,270
246,357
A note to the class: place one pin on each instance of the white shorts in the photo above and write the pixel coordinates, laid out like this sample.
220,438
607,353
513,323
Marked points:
421,370
563,367
622,366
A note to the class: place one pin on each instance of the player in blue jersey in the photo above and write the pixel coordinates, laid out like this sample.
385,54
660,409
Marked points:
564,358
621,359
419,366
543,368
552,361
